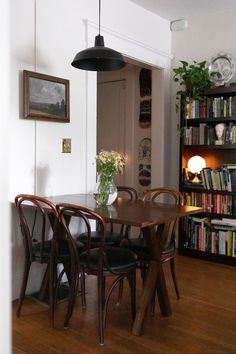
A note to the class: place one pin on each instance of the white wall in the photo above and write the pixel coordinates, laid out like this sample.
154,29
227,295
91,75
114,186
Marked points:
205,36
5,289
60,33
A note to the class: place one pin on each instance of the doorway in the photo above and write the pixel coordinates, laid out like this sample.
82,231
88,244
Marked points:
111,120
119,104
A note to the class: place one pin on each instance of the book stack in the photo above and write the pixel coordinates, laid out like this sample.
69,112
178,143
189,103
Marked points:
212,203
217,236
221,179
224,231
205,134
211,107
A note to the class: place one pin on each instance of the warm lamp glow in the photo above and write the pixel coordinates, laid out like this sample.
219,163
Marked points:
195,165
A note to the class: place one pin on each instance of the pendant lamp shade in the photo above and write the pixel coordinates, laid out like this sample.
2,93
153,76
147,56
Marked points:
99,57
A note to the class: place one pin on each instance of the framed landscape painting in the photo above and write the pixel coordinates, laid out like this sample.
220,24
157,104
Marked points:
45,97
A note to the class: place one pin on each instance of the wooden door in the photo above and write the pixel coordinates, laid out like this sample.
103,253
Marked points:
111,119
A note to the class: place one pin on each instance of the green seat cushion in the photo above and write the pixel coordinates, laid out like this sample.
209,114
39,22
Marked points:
168,249
138,245
118,258
47,249
111,238
63,248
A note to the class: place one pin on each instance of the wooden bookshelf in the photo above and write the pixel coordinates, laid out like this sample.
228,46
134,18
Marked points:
202,239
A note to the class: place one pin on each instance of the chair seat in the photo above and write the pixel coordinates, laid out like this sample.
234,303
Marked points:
111,238
138,245
47,249
63,248
118,258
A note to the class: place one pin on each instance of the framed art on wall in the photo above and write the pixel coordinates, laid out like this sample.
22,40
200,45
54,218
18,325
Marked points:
45,97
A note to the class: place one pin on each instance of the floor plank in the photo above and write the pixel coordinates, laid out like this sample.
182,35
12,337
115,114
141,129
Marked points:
203,320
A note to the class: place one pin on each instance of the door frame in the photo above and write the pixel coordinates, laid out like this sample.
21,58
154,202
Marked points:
160,63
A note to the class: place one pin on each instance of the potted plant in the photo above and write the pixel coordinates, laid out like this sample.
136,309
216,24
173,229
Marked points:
193,79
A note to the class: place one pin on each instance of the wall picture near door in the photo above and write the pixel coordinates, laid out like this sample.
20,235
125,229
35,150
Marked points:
145,86
144,173
144,130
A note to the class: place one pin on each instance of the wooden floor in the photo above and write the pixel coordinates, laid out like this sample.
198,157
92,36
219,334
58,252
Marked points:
203,320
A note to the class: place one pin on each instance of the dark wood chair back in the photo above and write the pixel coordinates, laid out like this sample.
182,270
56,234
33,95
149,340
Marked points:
43,210
85,215
175,197
128,193
37,248
153,195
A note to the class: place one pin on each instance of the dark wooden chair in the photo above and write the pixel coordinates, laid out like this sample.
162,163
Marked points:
37,247
102,261
37,216
138,245
112,237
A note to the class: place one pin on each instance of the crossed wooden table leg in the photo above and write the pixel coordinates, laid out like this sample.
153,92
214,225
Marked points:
155,277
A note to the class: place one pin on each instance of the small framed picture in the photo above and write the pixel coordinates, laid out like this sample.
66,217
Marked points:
46,97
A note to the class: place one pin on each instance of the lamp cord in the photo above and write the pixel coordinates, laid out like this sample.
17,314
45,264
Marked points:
35,122
99,16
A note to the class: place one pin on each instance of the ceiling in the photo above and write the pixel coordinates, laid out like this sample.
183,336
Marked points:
184,9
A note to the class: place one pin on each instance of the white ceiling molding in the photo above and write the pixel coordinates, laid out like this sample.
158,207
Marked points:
161,58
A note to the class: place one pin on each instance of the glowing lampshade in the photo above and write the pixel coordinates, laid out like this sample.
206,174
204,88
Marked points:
195,165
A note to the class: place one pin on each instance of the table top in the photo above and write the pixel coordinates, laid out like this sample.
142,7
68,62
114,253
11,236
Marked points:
137,213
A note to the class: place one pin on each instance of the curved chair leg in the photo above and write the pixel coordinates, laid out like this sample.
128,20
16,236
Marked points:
72,297
52,291
120,293
27,265
82,279
101,300
172,268
54,283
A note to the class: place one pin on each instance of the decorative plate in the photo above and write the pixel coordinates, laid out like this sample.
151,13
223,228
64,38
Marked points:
221,68
145,147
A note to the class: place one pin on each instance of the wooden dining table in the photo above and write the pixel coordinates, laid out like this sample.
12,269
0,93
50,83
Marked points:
147,216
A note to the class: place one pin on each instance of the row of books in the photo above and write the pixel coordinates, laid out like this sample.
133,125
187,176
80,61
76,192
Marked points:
221,179
211,107
207,236
205,134
212,203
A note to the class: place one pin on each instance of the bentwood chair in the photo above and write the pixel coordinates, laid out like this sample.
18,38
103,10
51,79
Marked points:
34,230
138,245
103,261
112,237
38,217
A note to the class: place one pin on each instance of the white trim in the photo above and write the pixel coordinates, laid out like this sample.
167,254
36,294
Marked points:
106,30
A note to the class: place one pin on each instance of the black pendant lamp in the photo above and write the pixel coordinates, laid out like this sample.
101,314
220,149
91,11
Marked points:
99,57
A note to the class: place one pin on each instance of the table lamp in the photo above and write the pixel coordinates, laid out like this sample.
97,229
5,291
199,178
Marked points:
195,165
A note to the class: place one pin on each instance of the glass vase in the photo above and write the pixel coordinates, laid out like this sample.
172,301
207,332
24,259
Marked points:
105,191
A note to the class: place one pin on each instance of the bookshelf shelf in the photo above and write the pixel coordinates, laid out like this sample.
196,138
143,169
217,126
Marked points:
196,121
212,147
203,190
207,256
219,91
199,235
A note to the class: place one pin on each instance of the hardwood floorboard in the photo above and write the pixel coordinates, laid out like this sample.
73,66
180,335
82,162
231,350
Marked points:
203,320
